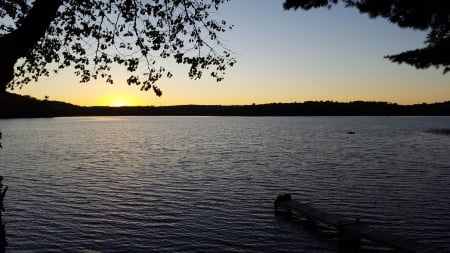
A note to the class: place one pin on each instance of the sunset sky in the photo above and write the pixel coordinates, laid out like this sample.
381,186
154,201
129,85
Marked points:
283,56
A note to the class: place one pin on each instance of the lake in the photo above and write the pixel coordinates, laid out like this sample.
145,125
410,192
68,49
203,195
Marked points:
203,184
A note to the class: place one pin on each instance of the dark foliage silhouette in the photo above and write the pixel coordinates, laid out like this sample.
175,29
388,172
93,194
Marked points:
41,37
432,16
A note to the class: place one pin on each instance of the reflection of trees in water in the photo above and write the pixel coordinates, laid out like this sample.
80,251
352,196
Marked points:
3,242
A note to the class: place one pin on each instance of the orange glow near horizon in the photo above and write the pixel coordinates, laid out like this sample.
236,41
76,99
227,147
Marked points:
119,99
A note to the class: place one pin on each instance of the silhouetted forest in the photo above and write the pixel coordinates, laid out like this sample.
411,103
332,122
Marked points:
16,106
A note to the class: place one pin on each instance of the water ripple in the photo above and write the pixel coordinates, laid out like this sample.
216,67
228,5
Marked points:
202,184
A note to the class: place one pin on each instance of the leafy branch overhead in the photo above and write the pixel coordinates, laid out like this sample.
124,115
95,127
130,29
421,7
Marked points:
432,16
93,36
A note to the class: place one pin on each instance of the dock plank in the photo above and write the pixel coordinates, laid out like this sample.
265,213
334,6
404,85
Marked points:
311,212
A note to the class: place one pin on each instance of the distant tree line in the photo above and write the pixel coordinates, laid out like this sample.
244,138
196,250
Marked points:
16,106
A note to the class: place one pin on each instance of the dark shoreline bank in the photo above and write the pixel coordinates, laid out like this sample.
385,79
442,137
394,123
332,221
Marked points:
16,106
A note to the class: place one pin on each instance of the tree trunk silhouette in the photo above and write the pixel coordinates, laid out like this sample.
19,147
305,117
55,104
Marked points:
19,42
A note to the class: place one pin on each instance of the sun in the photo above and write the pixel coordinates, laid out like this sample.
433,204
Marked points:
119,100
119,103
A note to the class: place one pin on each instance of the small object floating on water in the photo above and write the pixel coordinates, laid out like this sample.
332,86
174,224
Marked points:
351,132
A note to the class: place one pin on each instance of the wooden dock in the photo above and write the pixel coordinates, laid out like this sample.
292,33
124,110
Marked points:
351,230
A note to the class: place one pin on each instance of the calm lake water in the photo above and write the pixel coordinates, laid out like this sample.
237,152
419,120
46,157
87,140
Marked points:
203,184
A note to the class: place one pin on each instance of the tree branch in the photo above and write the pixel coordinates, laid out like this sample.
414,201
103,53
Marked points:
19,42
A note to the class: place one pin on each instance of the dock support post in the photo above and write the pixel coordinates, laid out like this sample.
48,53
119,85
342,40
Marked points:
311,223
347,240
280,198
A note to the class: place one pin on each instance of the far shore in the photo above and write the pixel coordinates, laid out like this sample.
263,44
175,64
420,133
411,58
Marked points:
17,106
